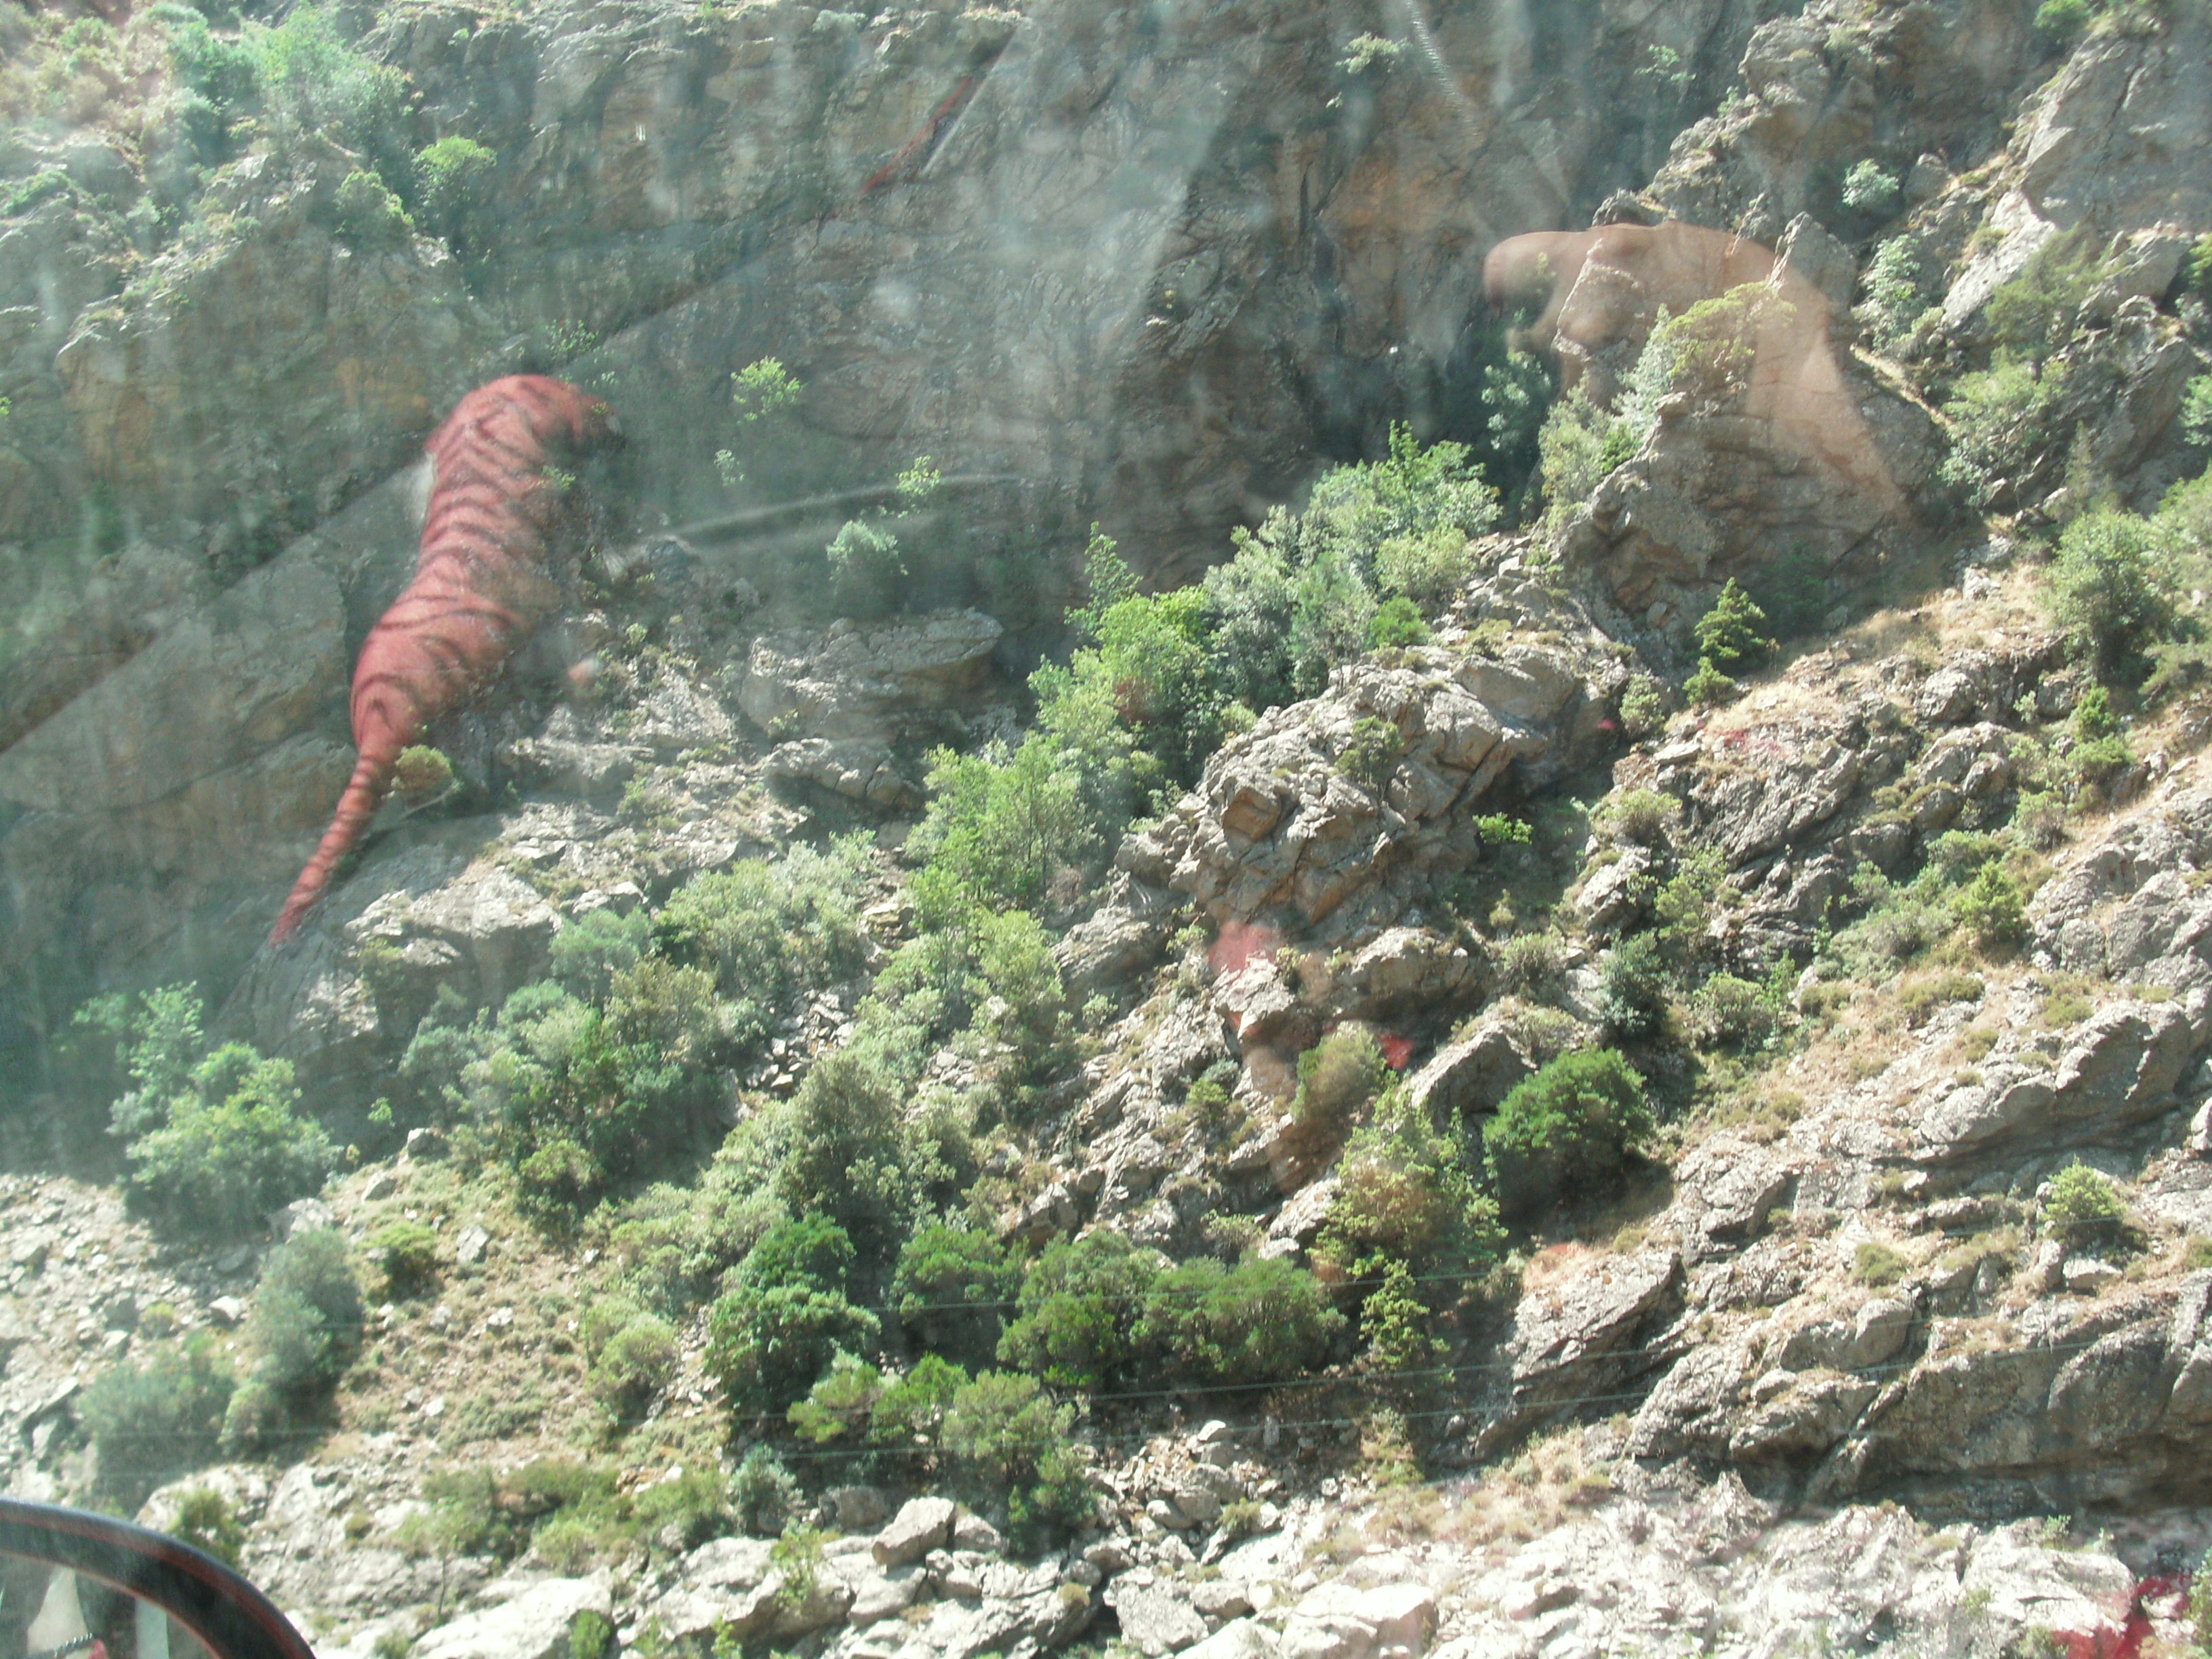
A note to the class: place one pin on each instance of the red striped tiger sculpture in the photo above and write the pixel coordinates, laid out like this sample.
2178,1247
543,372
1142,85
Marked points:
481,587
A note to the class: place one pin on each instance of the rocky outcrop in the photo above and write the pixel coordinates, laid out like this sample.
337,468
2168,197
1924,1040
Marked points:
912,676
1296,819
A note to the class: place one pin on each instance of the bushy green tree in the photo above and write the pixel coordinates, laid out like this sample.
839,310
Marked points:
304,1329
451,179
408,1253
1732,634
576,1096
954,1289
841,1151
1404,1195
771,927
1893,299
1337,1077
154,1420
226,1148
1008,1442
2107,589
1078,1309
1634,1003
785,1314
1247,1326
585,955
1999,419
865,568
633,1366
2084,1211
1569,1130
998,827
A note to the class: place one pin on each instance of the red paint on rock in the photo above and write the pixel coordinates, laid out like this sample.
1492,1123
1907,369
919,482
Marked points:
1238,944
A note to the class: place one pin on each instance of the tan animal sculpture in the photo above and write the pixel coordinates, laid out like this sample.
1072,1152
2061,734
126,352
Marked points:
1600,288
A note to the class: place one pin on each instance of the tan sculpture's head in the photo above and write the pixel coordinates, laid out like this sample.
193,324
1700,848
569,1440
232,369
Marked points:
1592,289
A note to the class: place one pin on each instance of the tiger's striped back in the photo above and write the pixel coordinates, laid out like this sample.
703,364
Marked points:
480,588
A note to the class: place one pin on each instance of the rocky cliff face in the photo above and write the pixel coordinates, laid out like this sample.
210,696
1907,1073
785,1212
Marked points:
1896,921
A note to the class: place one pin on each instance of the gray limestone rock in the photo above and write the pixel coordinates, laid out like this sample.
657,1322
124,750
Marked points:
534,1624
1158,1618
921,1525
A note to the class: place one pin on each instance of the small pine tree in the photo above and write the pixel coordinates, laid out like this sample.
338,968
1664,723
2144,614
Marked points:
1731,633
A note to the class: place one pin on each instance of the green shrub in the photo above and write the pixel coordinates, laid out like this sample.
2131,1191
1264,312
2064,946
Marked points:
1642,706
1337,1077
999,826
771,927
230,1146
305,1329
1729,1013
1397,622
1247,1326
762,1493
1404,1194
866,569
2106,588
1731,634
1877,1264
1867,189
1569,1129
2033,315
452,178
1078,1311
1425,571
154,1421
910,1411
1707,685
408,1254
634,1364
1532,963
1894,295
841,1139
206,1520
1999,419
1371,753
1633,1005
1517,390
2059,21
842,1404
2099,751
2084,1211
1572,457
586,956
1990,907
422,774
1643,817
574,1096
785,1314
368,215
306,1316
1399,1327
954,1288
1009,1443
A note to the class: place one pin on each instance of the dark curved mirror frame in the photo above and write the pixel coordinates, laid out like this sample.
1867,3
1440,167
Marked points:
233,1620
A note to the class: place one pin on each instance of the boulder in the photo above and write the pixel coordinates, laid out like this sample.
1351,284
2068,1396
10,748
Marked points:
1240,1639
1472,1073
534,1624
868,682
921,1525
1337,1621
1158,1618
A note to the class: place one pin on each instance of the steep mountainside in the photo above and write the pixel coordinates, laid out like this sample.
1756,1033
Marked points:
1356,830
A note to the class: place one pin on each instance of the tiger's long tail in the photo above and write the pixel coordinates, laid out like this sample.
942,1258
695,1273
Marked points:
364,793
